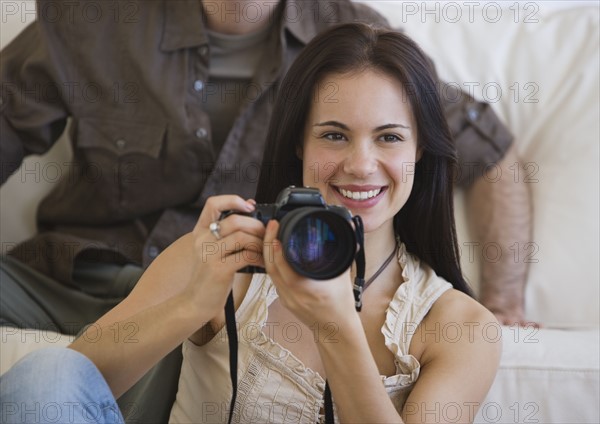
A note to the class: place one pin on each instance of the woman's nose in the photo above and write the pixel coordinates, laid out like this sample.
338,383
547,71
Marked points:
361,160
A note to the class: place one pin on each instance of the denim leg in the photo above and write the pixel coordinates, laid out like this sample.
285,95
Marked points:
56,385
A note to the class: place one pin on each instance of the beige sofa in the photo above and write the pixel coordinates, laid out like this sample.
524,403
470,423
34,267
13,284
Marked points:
538,64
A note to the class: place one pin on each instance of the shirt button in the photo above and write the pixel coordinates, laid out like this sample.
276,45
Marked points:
201,133
153,251
203,50
472,114
120,144
198,85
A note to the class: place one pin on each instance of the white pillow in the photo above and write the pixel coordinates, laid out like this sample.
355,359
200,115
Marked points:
539,68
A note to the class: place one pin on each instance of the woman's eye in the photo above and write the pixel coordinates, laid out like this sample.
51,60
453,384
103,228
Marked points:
334,136
391,138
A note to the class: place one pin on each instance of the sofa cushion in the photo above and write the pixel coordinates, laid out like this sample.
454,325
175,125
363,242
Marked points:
545,376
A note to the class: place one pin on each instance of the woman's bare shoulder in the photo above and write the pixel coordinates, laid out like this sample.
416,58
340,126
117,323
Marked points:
455,319
457,341
454,305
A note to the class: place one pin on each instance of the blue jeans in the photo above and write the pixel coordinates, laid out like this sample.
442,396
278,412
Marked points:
29,299
56,385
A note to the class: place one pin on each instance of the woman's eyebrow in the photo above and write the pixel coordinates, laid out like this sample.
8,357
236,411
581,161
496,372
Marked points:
332,124
345,127
388,126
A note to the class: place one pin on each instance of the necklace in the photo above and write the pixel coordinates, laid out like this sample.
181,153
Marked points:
381,268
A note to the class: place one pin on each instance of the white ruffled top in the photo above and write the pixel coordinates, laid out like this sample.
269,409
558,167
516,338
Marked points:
273,385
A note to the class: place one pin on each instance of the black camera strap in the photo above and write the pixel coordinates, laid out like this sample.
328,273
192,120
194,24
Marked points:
359,280
230,325
233,349
357,288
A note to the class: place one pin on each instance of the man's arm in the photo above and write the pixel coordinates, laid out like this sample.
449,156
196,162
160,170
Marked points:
32,113
499,210
498,201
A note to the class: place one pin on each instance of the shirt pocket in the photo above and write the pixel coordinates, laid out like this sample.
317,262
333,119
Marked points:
127,157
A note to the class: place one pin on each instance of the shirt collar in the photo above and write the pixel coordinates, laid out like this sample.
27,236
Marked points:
184,25
298,17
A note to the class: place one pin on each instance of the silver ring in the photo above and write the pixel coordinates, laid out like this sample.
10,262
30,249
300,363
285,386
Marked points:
214,228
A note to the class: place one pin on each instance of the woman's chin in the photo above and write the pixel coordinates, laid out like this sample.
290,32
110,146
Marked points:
373,225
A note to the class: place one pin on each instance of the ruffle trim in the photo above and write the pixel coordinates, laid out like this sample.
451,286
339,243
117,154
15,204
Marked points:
279,357
409,305
397,303
288,365
407,366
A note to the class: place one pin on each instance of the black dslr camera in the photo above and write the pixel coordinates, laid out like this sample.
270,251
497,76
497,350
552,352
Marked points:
318,240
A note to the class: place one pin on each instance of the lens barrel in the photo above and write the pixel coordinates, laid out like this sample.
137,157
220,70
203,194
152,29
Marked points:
317,243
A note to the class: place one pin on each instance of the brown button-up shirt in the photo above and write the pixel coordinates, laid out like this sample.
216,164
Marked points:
131,79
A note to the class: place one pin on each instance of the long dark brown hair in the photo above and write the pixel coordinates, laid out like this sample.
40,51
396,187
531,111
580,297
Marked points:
426,222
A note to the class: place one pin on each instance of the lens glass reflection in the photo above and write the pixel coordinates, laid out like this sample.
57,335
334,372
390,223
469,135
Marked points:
312,245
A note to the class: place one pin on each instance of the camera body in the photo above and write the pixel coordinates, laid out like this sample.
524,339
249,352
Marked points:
289,199
318,240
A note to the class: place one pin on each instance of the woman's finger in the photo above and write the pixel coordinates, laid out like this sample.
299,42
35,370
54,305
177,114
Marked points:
237,245
216,205
242,223
272,251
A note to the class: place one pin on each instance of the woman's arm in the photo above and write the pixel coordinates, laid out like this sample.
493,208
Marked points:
456,372
351,371
458,344
183,289
353,377
459,359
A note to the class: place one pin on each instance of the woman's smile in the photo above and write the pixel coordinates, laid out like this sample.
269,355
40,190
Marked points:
356,197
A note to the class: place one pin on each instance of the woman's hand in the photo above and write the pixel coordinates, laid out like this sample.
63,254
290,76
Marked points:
237,243
320,301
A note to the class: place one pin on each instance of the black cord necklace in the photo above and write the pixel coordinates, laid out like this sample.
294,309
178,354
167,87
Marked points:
381,268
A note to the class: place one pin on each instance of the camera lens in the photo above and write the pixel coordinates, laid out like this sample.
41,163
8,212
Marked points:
317,243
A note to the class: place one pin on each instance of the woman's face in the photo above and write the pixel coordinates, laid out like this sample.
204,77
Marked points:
360,145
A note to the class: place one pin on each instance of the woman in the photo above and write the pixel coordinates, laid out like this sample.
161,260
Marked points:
357,117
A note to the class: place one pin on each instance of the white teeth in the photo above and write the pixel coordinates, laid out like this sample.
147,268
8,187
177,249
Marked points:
360,195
